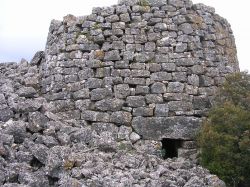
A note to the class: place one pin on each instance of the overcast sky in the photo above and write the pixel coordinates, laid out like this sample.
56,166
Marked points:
24,24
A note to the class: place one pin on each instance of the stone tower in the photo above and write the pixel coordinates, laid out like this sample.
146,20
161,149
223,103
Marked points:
153,65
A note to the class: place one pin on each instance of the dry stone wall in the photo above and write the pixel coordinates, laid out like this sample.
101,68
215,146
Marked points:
150,64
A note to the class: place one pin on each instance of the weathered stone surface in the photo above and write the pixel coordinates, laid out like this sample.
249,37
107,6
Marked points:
94,83
136,101
37,121
175,87
154,98
134,137
157,3
143,111
186,28
109,104
100,93
180,106
141,90
161,110
122,91
201,102
121,118
38,57
181,47
95,116
158,88
26,92
81,94
161,76
5,114
40,151
170,127
135,81
112,55
17,129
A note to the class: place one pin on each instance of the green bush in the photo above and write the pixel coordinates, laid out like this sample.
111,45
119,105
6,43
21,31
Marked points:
224,139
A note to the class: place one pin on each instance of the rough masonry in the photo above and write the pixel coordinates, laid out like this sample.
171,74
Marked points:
124,79
153,65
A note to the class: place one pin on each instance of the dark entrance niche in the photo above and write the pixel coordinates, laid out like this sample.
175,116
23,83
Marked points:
170,147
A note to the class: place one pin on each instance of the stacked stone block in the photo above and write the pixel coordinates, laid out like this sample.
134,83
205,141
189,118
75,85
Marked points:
153,65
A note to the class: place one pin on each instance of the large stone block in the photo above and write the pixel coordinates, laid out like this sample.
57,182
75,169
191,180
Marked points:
156,128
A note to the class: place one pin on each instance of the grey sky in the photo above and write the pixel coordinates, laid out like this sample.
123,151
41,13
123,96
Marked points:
24,24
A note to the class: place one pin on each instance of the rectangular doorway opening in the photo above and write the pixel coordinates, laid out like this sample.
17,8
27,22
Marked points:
170,147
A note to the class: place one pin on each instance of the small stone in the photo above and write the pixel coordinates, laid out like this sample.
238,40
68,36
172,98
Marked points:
193,80
118,25
100,93
37,58
109,104
26,92
121,118
135,101
6,114
175,87
94,83
161,110
158,88
180,106
112,55
201,102
125,17
186,28
141,90
150,46
135,81
17,129
169,67
154,98
140,73
37,121
122,91
134,137
95,116
86,73
124,132
161,76
180,47
157,3
154,67
81,94
40,151
112,18
143,111
161,27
